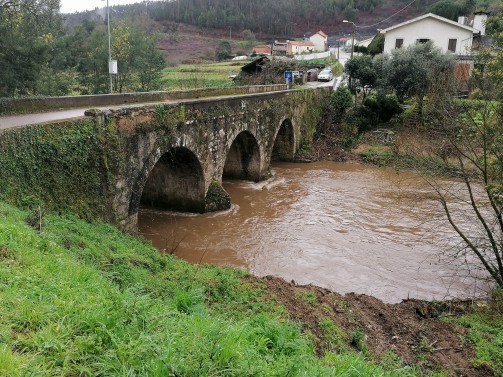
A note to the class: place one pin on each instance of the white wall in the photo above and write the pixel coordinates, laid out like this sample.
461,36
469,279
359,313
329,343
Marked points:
318,41
316,55
435,30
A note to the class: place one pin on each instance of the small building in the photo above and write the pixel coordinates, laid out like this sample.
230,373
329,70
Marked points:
449,36
255,66
299,47
320,41
280,48
262,50
345,42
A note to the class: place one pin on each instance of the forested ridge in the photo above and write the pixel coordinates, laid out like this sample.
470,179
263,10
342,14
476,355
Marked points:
287,17
43,52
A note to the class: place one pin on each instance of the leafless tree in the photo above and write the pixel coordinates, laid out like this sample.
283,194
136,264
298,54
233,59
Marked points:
468,138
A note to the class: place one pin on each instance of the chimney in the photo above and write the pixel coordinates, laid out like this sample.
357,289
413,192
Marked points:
461,20
479,22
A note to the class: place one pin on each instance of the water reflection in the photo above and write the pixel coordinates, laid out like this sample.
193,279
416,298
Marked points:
347,227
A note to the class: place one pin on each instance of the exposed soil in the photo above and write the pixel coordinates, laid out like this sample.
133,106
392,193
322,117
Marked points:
412,329
415,331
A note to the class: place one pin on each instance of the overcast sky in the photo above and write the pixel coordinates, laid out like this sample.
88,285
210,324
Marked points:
71,6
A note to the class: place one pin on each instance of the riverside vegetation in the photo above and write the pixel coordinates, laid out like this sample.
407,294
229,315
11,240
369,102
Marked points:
81,298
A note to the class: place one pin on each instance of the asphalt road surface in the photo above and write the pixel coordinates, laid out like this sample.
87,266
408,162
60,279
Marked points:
27,119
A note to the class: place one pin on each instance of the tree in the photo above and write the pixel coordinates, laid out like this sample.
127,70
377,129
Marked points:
469,143
376,46
363,73
223,50
28,28
452,9
413,71
149,61
340,100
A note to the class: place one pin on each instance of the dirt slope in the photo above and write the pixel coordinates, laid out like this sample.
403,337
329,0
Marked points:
412,329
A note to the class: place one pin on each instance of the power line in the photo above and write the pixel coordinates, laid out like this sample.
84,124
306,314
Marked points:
386,19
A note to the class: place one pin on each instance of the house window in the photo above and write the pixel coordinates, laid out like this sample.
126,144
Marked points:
452,45
399,43
422,40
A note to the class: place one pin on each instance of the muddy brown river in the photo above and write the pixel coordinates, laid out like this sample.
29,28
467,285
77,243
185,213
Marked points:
346,227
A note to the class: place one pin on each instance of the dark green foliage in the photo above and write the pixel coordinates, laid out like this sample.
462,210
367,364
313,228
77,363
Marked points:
223,50
39,57
361,49
27,36
452,9
414,70
377,45
63,166
340,100
363,73
382,107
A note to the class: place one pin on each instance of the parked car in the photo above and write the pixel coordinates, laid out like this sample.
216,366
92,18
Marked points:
326,75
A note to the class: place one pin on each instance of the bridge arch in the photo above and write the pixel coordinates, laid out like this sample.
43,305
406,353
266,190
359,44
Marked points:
243,158
176,181
284,142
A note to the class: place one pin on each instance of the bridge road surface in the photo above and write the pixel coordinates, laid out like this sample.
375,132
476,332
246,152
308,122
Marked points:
20,120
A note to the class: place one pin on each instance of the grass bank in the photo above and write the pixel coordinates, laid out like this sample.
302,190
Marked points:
83,299
203,75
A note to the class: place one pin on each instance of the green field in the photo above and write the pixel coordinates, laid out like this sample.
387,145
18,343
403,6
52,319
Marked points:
192,76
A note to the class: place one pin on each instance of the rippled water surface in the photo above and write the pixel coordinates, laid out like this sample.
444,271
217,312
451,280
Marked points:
347,227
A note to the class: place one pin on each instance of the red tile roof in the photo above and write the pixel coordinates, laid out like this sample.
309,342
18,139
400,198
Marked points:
302,43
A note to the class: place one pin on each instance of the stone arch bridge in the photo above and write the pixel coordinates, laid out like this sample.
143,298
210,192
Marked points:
175,155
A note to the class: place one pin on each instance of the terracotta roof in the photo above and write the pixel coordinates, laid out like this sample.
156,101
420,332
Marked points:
321,33
301,43
262,49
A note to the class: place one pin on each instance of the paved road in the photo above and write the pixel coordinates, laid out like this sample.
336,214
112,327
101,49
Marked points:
22,120
34,118
336,82
26,119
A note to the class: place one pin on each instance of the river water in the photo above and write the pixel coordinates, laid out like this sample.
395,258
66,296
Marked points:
343,226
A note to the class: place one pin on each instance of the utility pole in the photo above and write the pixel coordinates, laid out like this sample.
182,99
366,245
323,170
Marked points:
353,39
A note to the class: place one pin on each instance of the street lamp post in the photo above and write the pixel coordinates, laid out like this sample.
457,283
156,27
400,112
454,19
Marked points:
110,68
353,40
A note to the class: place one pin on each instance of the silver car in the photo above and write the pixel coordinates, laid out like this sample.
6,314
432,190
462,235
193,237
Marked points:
326,75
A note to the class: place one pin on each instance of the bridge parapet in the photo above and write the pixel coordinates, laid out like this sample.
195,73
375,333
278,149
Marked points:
39,104
170,155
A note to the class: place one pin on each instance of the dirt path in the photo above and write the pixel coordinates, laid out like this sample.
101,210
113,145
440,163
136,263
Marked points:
411,330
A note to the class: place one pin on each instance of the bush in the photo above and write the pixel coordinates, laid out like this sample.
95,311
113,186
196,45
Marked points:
382,107
340,101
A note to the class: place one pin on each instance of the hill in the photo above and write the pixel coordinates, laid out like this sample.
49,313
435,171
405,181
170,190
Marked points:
191,29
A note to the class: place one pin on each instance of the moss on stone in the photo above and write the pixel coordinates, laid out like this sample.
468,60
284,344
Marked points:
217,198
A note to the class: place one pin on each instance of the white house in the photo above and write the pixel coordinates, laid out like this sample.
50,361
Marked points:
299,47
320,41
449,36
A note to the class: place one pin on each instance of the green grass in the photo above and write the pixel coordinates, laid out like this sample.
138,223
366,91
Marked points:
192,76
484,327
83,299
